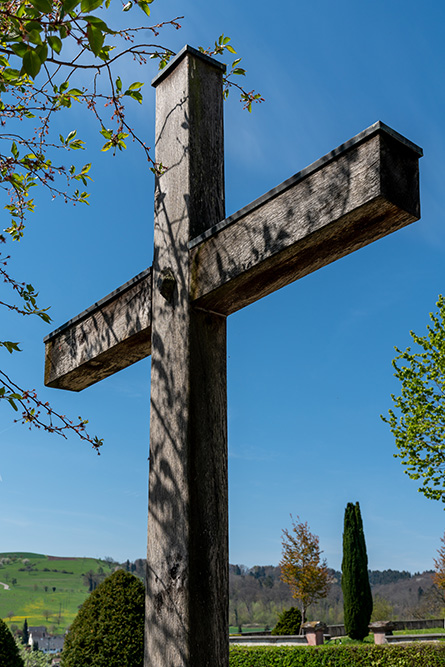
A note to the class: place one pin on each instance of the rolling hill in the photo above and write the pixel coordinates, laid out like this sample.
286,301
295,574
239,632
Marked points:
46,590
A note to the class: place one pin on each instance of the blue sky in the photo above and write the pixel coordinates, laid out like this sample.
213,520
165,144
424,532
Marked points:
309,367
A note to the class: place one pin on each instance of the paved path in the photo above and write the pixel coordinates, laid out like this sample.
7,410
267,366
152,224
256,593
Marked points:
5,586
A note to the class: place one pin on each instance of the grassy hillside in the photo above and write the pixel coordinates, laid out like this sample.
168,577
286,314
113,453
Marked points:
45,589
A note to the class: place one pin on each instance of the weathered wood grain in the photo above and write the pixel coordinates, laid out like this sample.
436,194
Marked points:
352,197
109,336
187,555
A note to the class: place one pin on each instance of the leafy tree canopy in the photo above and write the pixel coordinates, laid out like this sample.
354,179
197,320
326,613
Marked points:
302,567
108,631
55,55
418,419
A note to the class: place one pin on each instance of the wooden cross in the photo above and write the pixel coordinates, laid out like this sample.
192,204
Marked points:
206,267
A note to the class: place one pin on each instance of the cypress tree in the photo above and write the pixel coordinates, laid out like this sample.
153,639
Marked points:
25,633
357,597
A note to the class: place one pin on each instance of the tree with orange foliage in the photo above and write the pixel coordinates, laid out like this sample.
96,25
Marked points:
301,565
439,564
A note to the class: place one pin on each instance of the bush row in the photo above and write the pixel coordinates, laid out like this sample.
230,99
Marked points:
414,655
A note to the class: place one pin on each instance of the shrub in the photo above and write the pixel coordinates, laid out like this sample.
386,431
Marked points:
9,653
289,622
108,631
414,655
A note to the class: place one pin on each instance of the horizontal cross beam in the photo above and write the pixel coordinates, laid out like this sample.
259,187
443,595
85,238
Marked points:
110,335
358,193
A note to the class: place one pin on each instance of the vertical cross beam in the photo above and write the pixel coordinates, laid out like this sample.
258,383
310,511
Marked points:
187,555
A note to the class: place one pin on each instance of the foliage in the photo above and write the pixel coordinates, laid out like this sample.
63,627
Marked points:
25,633
109,628
289,622
382,609
302,567
418,424
364,655
54,56
9,653
357,597
34,658
439,564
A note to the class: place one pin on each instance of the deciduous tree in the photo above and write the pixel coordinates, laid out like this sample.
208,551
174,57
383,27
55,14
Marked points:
56,55
302,567
439,565
357,596
418,420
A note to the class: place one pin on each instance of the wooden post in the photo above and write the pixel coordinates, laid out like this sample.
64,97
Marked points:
187,557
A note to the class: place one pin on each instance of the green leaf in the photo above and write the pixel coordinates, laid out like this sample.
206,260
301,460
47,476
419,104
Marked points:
55,43
118,84
14,150
69,5
143,4
19,49
34,37
95,20
31,63
44,6
11,402
89,5
230,48
106,133
71,136
136,85
95,39
42,52
135,94
10,346
127,6
33,25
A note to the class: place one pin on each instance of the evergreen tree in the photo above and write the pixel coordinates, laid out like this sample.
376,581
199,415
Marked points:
9,653
108,631
357,603
25,632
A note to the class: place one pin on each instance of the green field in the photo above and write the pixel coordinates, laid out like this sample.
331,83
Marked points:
46,590
423,631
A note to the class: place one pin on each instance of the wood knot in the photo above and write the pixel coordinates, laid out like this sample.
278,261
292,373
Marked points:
167,284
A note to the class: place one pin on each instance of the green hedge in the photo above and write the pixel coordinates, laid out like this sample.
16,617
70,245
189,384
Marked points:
414,655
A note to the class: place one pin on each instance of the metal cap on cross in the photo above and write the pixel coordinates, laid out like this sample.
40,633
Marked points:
205,267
